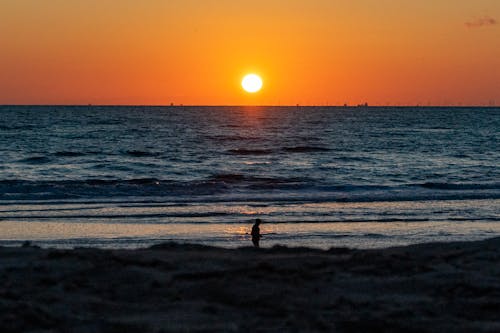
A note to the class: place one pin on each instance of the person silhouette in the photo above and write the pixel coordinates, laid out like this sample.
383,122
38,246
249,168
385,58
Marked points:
256,236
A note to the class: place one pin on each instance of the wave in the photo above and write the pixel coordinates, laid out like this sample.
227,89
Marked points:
140,153
355,159
461,156
462,186
69,154
298,149
230,177
243,151
36,160
233,178
208,214
241,187
226,138
115,216
305,149
17,127
94,182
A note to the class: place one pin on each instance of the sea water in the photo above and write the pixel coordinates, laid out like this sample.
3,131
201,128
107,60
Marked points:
120,176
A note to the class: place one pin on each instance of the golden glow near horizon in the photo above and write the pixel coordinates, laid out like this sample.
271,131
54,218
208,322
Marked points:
251,83
192,52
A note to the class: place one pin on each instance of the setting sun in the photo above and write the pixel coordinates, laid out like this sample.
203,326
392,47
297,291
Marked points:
251,83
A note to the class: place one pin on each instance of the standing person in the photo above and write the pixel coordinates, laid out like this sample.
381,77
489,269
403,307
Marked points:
256,236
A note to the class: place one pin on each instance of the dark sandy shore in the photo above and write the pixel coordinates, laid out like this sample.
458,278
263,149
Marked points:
448,287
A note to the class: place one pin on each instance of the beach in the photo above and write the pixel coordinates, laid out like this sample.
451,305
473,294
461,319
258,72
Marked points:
170,287
138,219
259,166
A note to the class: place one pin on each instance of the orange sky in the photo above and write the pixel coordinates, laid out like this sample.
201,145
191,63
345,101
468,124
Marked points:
396,52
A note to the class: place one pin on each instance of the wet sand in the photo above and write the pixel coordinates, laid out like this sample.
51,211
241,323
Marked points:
440,287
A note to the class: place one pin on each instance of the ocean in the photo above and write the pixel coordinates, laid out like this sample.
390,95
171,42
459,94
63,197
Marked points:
133,176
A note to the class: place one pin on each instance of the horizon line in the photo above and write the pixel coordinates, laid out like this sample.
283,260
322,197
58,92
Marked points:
263,105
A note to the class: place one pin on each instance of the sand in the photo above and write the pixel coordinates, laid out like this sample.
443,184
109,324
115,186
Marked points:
441,287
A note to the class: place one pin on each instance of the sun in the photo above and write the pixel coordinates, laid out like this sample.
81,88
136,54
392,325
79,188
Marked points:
251,83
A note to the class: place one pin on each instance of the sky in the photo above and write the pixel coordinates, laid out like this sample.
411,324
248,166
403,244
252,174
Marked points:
315,52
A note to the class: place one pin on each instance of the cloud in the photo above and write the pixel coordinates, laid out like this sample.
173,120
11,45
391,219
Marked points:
481,22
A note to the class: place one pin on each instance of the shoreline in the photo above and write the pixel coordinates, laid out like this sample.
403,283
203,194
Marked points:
171,287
